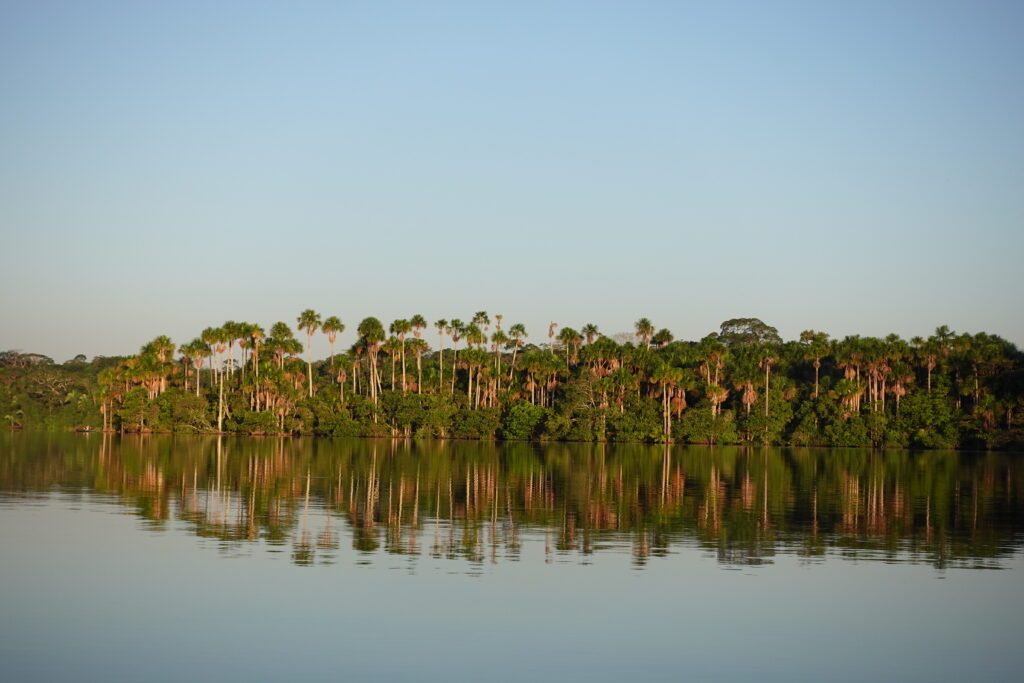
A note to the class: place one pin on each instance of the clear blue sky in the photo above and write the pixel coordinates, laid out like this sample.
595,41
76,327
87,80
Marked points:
852,167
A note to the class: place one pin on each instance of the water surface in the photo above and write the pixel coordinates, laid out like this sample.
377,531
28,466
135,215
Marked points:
157,558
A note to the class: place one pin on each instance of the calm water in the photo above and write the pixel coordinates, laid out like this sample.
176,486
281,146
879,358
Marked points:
163,558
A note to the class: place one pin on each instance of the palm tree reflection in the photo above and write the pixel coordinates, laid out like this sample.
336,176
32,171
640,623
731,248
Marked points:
484,503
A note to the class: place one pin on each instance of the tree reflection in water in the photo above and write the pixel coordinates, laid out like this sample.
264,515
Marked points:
484,503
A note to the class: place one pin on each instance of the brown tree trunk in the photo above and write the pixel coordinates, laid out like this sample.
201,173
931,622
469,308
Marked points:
817,366
440,356
404,388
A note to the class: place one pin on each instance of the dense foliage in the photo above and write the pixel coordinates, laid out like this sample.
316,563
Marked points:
740,385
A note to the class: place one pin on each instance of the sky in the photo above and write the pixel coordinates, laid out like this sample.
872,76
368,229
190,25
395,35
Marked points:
855,168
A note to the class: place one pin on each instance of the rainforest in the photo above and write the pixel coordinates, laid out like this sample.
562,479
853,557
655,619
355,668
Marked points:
485,379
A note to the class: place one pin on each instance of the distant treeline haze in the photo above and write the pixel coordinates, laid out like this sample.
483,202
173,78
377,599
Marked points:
481,379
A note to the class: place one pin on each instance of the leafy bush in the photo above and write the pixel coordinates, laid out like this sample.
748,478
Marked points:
521,421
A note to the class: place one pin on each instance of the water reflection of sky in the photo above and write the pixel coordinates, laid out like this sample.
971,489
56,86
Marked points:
92,592
160,559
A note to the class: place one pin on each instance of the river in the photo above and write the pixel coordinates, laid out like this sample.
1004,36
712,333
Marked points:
165,557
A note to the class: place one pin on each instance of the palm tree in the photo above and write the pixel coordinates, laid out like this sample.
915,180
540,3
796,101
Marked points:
623,381
309,320
944,335
418,323
717,395
474,359
357,351
849,393
401,328
549,370
281,334
161,349
551,336
816,346
190,355
602,356
749,393
223,335
644,330
244,332
187,359
293,349
418,347
332,327
849,356
980,354
371,333
393,346
517,333
929,352
257,335
456,332
576,341
212,335
893,350
230,334
200,351
498,340
568,337
766,362
590,331
666,377
341,378
902,376
475,337
662,338
442,326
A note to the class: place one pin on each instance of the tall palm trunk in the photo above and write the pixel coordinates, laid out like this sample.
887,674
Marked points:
817,366
404,388
455,364
767,371
220,405
666,415
440,357
309,362
512,369
378,373
371,376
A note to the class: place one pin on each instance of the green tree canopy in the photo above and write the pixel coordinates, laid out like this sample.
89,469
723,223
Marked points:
742,331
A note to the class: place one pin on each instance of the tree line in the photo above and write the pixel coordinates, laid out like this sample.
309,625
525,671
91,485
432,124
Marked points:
483,379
